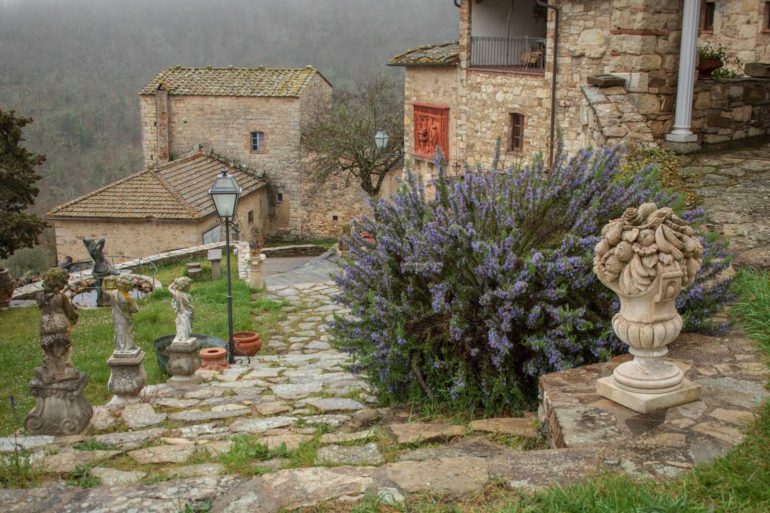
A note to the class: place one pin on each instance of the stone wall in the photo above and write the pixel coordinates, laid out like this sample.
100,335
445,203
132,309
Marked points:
127,239
738,27
731,109
609,117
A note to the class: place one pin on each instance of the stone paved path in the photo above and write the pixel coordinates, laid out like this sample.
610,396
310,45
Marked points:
734,186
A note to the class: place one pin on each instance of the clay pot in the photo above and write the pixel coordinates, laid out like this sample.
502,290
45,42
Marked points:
707,65
214,359
246,343
7,285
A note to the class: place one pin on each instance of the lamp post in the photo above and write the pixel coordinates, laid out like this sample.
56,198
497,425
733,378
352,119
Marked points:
224,196
381,139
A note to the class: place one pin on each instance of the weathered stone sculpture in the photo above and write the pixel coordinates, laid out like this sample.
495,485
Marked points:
647,257
184,359
60,408
128,376
102,267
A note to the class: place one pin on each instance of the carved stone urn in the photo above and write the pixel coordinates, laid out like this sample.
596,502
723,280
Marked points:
647,257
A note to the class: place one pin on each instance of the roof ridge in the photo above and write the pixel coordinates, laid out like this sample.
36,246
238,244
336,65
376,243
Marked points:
97,191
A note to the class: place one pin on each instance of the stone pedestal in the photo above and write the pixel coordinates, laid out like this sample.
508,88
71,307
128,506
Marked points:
255,271
183,361
60,407
127,378
686,392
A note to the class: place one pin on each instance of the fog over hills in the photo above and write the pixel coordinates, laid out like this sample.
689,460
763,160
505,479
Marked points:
76,66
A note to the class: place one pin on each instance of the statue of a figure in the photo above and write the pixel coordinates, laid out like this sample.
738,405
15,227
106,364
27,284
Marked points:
123,307
57,318
102,266
182,303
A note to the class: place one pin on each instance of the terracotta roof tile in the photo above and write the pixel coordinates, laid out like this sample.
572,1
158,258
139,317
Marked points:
176,190
231,81
442,54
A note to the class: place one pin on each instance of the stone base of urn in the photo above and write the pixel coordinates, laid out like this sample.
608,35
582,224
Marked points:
127,378
648,403
183,361
60,407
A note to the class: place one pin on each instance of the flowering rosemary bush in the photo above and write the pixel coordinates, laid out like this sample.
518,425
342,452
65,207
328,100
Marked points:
470,297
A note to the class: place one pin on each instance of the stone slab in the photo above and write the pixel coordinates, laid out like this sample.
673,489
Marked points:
451,476
524,427
111,477
261,425
367,454
648,403
423,432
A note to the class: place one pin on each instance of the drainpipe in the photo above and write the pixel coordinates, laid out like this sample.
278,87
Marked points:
552,137
457,3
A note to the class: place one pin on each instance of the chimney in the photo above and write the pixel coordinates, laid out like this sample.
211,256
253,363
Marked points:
162,123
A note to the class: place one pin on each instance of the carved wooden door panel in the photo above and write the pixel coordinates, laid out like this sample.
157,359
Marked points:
431,129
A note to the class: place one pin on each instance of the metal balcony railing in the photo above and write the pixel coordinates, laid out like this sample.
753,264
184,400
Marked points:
520,53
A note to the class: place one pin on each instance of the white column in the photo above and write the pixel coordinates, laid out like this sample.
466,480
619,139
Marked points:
687,62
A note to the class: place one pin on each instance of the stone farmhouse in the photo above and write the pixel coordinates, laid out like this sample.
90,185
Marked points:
579,72
195,121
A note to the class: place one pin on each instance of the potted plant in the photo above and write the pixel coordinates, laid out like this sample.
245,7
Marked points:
7,285
246,343
710,59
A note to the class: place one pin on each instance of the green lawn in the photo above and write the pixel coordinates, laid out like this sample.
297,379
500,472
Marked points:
92,337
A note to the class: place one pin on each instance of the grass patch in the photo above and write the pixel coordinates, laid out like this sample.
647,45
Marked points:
92,337
94,445
245,454
83,477
16,471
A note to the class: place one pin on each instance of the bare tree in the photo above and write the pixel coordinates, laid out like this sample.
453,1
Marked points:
342,143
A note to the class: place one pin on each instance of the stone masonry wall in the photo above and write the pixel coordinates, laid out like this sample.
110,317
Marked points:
126,239
738,27
490,99
609,117
731,109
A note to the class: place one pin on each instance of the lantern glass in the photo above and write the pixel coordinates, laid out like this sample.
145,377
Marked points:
381,139
224,195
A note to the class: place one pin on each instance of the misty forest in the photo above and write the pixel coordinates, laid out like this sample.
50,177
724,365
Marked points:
76,66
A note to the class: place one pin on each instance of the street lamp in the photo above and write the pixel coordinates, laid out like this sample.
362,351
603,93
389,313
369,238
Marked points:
224,196
381,139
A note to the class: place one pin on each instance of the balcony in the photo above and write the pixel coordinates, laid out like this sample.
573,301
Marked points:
508,54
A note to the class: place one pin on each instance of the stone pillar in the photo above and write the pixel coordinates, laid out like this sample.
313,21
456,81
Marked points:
183,361
255,271
127,377
682,136
162,120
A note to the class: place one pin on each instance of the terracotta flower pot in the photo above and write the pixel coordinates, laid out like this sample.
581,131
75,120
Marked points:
707,65
7,285
246,343
214,359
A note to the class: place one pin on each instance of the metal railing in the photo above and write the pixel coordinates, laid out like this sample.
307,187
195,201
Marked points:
520,53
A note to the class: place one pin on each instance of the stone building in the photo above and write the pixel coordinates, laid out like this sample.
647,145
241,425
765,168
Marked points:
249,118
614,70
163,207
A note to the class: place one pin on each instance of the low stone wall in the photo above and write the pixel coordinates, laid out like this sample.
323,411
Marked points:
609,117
294,251
732,108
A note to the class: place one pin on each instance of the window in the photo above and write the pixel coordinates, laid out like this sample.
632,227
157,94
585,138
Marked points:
251,217
257,141
431,130
709,10
516,140
212,235
279,197
335,217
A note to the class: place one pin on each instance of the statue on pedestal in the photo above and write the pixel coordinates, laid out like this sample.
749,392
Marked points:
647,257
183,359
102,267
128,376
60,407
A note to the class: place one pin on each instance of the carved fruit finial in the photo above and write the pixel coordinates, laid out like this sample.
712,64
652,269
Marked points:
643,242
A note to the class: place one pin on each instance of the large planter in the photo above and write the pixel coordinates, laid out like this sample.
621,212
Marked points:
7,286
707,65
246,343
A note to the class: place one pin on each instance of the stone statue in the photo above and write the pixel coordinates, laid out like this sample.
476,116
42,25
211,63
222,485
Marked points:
183,357
57,318
182,303
123,307
647,257
102,266
60,408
